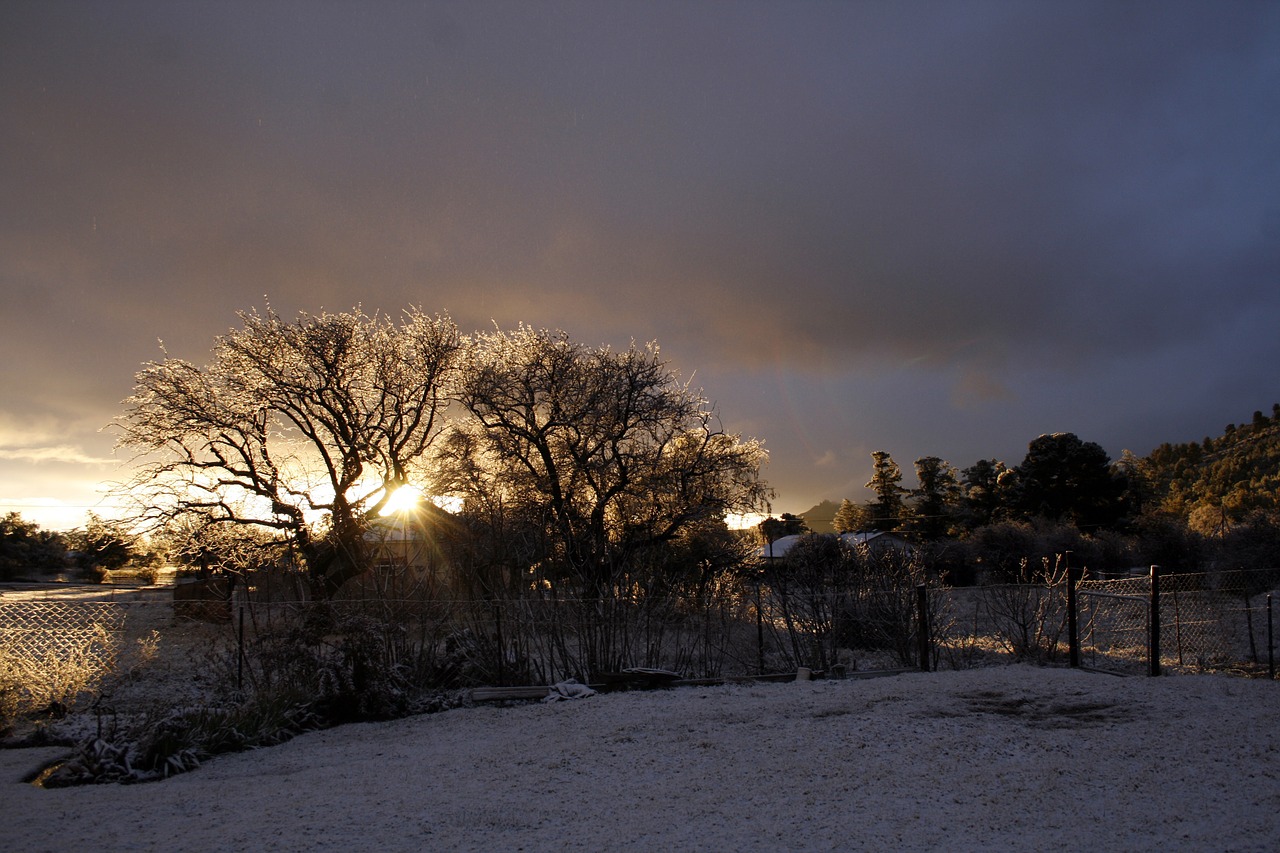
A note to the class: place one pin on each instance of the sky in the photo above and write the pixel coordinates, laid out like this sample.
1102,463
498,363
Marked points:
929,228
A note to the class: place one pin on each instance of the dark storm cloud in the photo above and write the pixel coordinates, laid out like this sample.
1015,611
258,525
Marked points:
983,201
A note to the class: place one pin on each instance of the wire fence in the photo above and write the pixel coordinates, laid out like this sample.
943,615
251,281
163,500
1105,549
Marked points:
58,629
1193,622
249,637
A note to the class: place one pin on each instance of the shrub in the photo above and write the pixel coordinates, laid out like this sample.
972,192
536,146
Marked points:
94,573
1030,617
168,742
47,683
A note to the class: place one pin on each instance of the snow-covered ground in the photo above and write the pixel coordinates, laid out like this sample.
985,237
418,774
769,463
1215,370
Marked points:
1007,758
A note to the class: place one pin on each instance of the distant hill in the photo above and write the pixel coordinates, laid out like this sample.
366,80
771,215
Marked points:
821,518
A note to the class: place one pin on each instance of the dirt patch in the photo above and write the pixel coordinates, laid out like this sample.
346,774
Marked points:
1052,711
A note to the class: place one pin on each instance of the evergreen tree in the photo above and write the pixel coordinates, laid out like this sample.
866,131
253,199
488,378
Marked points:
933,502
1064,478
983,496
888,508
852,517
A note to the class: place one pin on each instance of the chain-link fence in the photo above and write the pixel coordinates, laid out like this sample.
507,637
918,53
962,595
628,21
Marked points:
57,629
135,648
1114,620
1201,622
51,652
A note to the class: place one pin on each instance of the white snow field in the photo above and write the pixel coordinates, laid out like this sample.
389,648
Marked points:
1009,758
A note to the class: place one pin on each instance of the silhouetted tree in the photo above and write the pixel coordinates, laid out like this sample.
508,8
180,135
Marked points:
325,417
853,517
984,497
773,529
933,502
24,546
608,450
1063,477
104,544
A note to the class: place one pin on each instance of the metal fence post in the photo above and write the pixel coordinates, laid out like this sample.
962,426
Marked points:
1154,624
759,628
922,620
1073,620
1271,646
502,652
240,654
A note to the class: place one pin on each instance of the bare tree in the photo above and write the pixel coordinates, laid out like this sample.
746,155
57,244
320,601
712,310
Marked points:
610,448
596,457
303,427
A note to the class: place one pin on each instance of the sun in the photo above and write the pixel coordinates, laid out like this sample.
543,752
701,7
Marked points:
402,499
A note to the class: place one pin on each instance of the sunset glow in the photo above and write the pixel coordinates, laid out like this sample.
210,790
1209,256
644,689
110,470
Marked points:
744,520
855,236
403,499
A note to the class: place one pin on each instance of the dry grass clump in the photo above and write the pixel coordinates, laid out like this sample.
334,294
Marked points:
41,684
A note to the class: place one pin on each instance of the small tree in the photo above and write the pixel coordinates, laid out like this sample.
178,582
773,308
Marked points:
852,517
104,545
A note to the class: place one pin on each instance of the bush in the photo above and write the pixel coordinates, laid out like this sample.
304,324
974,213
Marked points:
94,573
346,663
47,683
169,742
1030,617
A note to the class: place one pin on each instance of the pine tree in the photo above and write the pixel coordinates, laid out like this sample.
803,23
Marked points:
888,508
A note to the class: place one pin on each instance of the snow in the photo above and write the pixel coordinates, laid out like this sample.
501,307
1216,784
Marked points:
1012,758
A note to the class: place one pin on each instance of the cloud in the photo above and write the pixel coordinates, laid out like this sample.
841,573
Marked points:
57,453
976,388
44,439
985,192
826,460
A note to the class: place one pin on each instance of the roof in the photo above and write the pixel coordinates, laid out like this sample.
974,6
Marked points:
779,547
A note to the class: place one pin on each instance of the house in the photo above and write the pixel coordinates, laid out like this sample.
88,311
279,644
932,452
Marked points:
875,541
879,541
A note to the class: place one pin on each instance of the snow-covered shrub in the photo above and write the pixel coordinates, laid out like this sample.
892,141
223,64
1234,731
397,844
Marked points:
340,663
170,741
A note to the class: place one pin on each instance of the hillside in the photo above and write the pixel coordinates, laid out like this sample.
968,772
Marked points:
821,518
1232,474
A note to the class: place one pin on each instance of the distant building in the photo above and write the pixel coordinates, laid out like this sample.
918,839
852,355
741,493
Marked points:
876,541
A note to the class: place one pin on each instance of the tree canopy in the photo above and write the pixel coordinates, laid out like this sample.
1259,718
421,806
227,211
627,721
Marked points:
888,508
1064,477
608,448
308,427
324,417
